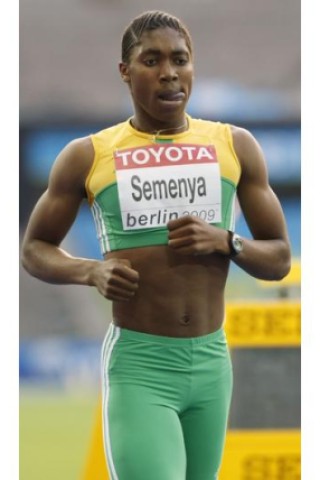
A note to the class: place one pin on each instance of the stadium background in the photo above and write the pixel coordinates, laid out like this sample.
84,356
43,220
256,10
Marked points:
247,57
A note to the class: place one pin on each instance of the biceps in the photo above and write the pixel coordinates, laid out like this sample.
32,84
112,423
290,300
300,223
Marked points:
52,217
263,212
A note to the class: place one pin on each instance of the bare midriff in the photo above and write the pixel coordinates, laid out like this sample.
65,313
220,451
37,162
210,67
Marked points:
178,295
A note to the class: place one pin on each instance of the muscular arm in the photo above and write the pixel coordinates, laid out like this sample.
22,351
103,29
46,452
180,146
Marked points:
267,256
51,220
53,216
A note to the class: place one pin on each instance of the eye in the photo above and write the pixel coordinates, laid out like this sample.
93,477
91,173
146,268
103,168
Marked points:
150,62
181,61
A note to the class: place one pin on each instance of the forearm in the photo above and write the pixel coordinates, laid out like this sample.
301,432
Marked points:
264,259
52,264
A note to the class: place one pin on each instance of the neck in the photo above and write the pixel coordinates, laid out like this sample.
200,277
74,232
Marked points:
159,130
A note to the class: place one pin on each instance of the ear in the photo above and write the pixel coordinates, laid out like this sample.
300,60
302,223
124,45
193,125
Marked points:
124,72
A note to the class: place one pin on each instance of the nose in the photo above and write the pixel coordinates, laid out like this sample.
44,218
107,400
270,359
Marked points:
168,72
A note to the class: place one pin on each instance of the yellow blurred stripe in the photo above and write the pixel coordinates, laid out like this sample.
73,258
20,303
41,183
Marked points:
292,279
263,324
262,454
95,466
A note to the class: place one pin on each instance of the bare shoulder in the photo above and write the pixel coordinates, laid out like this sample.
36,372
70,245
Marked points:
78,154
72,165
244,142
249,152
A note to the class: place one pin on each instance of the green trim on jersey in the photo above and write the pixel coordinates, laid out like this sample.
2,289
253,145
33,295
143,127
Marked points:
120,145
111,235
163,140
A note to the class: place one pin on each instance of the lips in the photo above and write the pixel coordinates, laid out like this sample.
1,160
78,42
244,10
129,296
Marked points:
171,96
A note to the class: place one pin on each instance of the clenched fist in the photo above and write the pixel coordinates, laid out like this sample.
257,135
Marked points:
115,279
190,235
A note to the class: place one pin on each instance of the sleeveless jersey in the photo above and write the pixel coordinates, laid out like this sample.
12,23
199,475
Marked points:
138,182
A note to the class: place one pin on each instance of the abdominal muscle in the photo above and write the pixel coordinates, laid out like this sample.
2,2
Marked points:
178,295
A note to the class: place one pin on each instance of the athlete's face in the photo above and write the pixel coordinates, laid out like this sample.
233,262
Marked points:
159,74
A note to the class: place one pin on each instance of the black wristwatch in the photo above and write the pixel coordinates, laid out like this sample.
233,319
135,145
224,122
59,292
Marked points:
235,243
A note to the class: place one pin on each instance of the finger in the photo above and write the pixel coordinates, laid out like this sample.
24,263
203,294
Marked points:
184,231
187,250
180,222
180,242
118,297
126,272
123,284
191,249
124,261
118,293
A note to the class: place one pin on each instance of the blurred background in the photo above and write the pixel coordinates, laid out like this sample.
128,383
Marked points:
247,64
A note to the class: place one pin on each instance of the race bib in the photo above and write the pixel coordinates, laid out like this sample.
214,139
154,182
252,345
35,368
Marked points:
157,183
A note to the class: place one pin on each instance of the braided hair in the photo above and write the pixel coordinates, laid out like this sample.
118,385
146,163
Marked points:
147,21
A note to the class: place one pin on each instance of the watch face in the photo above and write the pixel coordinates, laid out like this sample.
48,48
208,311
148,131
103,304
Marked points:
237,243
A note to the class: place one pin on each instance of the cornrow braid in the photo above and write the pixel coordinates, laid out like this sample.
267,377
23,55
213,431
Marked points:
147,21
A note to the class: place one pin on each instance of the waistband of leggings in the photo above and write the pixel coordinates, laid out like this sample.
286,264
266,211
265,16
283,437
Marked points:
134,335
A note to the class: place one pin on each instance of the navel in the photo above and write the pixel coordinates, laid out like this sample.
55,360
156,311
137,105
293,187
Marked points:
185,319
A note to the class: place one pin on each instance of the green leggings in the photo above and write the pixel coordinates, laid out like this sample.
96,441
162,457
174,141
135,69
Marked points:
165,405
